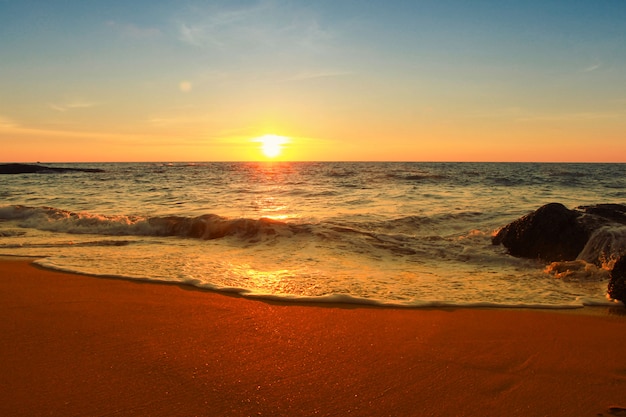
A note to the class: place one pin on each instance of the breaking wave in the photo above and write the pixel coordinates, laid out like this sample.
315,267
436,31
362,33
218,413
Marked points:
207,226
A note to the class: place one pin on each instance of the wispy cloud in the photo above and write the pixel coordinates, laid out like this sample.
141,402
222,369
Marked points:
214,26
6,123
592,68
166,121
572,117
188,119
265,24
308,75
192,35
72,104
524,115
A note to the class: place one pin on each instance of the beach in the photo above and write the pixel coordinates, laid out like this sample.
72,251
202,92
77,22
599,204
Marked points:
74,345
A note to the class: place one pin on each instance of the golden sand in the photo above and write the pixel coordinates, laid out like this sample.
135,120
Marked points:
73,345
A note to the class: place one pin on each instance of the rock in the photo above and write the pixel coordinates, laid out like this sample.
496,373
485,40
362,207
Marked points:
587,235
595,234
551,233
613,212
36,168
617,284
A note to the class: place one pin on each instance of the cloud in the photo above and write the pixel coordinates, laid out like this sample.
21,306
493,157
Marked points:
572,117
264,25
72,104
214,27
308,75
592,68
191,35
313,35
185,120
6,123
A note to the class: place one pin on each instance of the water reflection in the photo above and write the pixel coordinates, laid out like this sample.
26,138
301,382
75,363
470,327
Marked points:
272,208
268,182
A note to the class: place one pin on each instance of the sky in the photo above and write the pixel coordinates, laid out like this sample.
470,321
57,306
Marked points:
336,80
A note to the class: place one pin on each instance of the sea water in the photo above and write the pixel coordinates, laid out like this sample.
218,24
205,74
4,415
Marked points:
408,234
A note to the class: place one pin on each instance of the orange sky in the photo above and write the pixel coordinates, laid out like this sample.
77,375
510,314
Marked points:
425,81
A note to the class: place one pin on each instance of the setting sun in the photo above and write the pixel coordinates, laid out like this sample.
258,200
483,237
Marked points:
271,145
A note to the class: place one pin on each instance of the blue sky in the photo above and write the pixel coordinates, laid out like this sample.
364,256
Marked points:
419,80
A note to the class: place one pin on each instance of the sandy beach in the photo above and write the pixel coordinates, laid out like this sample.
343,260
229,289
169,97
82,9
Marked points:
74,345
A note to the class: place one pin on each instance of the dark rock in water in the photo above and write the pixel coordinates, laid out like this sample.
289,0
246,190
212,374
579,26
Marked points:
613,212
36,168
551,233
617,285
595,234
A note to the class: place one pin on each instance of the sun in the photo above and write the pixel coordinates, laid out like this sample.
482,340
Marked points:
271,145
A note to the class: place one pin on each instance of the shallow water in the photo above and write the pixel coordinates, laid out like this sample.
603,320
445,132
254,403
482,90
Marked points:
414,234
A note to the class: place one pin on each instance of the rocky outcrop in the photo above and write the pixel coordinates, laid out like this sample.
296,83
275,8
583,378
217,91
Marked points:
595,234
617,284
612,212
552,233
37,168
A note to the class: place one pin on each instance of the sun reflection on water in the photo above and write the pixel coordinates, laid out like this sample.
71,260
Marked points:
272,208
269,182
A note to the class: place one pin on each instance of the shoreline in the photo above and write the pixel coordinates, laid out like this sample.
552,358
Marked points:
75,345
594,309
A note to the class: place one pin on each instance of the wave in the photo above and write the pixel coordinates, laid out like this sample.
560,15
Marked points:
605,246
212,226
563,173
356,259
11,233
417,177
341,173
412,238
578,270
337,298
207,226
508,181
66,244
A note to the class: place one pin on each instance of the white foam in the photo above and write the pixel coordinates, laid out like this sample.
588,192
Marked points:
605,246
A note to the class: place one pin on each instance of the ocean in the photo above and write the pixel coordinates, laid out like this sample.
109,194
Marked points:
401,234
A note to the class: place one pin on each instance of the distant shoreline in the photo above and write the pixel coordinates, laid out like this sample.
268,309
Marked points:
17,168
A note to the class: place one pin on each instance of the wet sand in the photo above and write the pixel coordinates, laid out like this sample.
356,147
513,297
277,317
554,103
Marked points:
72,345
